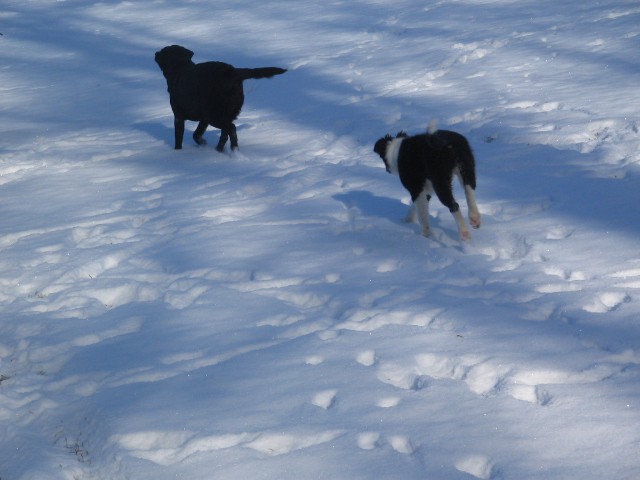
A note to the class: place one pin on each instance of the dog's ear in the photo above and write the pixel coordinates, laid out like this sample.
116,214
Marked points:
401,134
182,52
381,145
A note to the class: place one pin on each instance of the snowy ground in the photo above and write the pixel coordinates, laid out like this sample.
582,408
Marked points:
268,315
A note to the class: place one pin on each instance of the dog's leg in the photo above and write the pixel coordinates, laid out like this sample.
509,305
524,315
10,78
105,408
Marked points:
422,206
462,226
199,132
234,136
224,136
445,195
469,192
226,132
474,213
178,126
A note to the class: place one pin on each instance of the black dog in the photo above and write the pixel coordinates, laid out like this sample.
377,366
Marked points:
427,163
210,93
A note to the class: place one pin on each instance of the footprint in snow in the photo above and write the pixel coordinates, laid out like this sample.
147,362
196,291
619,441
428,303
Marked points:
569,275
332,278
325,399
606,302
559,232
485,378
327,334
367,358
314,360
388,266
529,393
401,444
480,466
368,440
511,249
404,378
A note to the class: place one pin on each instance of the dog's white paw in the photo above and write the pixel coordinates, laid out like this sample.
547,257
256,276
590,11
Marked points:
474,220
465,235
426,232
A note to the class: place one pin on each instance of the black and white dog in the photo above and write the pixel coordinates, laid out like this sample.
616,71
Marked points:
426,164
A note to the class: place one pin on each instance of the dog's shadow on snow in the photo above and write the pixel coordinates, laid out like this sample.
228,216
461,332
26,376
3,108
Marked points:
371,205
158,131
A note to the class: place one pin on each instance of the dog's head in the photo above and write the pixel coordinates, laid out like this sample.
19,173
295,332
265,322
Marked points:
381,149
173,58
382,144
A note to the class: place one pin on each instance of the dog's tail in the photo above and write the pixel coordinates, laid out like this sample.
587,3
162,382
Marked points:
433,126
265,72
435,141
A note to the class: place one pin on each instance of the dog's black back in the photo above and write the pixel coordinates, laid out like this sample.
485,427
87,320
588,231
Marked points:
434,157
211,93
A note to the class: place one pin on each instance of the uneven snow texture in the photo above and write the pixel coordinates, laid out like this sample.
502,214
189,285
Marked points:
267,313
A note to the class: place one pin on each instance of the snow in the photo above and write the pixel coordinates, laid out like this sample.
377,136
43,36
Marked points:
267,313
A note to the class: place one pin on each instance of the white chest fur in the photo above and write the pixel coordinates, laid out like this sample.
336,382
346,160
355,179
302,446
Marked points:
393,150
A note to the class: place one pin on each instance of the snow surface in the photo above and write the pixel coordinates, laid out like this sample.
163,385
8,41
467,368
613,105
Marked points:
267,314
